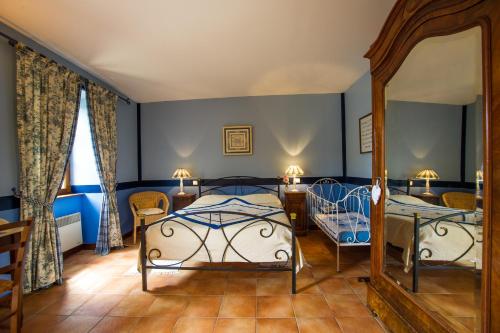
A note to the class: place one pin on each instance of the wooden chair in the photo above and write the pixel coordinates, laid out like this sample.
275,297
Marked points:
459,200
13,239
153,205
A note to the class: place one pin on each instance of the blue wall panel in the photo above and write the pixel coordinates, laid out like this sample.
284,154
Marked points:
10,215
89,205
67,205
126,219
91,209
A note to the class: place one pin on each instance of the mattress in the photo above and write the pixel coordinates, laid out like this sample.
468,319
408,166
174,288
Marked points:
250,239
399,220
352,227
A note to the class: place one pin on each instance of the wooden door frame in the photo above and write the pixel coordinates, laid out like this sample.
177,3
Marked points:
410,22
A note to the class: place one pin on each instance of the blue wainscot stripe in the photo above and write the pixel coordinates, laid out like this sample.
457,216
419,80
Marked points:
9,202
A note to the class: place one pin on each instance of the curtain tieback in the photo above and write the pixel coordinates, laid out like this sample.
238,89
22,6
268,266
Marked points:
33,201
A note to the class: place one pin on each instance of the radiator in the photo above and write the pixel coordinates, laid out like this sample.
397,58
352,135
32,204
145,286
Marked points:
70,231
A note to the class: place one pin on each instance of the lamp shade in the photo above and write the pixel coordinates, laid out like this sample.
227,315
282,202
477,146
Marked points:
294,171
181,173
427,174
479,175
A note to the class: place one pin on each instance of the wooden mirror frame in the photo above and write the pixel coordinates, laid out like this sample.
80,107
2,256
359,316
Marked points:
410,22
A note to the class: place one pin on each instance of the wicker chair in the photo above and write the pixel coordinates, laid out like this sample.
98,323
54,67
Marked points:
150,204
459,200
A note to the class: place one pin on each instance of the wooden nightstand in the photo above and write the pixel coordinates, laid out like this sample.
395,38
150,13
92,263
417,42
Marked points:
183,200
295,202
432,199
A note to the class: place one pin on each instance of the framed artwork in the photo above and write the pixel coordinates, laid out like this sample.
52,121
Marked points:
365,134
237,140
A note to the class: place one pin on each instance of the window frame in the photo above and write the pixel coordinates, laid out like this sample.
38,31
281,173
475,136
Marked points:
66,183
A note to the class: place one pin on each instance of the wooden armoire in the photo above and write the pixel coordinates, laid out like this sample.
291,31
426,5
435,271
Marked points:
409,23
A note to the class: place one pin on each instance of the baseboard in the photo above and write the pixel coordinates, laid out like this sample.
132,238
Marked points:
90,247
73,250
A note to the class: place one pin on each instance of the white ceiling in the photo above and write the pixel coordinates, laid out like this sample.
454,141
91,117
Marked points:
444,70
157,50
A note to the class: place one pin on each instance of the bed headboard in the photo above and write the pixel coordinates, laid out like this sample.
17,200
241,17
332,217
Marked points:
393,186
241,185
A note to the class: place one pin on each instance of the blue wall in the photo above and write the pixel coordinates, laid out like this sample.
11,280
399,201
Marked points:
358,103
423,136
292,129
474,139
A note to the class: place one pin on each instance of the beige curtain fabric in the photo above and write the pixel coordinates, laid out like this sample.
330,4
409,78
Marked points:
47,108
102,110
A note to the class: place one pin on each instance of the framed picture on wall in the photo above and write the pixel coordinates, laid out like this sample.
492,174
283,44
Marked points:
237,140
365,134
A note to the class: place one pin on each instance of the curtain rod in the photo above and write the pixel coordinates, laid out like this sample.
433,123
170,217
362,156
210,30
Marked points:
13,42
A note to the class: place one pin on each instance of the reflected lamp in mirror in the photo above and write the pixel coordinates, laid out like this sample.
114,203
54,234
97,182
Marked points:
479,180
294,171
181,174
427,174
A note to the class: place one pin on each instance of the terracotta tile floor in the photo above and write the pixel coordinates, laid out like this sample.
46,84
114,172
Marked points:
453,294
101,294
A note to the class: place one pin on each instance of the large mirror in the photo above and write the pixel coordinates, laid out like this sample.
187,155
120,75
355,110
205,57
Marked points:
434,162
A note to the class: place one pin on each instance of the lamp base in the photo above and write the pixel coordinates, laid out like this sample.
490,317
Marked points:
181,193
428,193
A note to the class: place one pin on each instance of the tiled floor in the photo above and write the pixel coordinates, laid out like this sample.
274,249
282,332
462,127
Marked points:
453,294
101,295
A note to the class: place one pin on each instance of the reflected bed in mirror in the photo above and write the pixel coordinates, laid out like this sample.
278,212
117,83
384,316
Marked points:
434,138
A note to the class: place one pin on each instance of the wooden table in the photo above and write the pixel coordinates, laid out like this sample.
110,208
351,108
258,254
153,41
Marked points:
432,199
295,202
183,200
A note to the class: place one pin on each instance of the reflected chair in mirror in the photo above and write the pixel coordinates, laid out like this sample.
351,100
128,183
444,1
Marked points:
13,239
459,200
151,205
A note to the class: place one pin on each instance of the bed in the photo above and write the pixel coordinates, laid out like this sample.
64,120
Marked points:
341,213
442,237
225,230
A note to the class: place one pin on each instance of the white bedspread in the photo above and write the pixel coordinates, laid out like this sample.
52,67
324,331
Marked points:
248,244
399,220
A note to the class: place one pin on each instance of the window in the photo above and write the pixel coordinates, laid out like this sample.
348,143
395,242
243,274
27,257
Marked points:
81,168
66,183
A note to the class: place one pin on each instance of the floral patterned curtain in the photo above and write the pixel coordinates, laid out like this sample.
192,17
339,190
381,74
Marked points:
102,110
47,109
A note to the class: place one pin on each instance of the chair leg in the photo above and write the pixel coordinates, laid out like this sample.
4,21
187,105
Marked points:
135,229
14,325
338,258
16,311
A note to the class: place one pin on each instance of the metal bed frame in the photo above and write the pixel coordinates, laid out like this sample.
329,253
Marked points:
241,185
287,261
347,201
422,257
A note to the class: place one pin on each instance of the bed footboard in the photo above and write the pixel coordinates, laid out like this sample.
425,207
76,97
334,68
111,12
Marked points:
440,227
286,259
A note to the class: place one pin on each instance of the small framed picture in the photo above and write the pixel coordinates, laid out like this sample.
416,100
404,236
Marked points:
237,140
365,134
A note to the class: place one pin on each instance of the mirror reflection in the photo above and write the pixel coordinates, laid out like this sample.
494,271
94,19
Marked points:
434,176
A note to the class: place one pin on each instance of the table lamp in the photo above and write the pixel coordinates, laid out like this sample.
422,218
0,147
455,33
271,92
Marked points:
294,171
479,180
427,174
181,174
